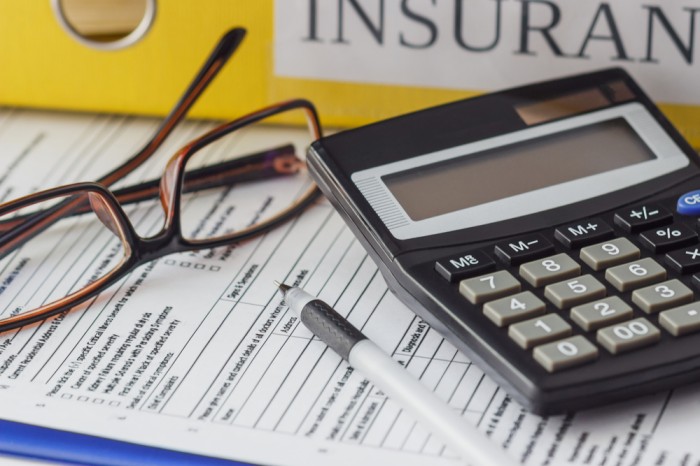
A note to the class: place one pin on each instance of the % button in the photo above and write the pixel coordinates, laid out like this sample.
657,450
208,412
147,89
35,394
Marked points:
669,233
664,239
689,203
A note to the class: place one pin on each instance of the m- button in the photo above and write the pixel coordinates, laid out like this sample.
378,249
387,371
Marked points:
458,267
523,249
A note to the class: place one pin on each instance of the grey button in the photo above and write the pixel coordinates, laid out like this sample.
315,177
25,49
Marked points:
628,335
598,314
635,274
661,296
490,286
572,292
565,353
549,270
511,309
608,253
681,320
540,330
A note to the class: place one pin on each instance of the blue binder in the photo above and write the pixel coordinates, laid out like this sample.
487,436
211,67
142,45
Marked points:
56,445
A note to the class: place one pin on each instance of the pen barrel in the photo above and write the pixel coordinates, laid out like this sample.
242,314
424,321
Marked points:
425,407
330,327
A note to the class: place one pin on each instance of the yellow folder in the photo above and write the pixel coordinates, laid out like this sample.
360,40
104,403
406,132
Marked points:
43,66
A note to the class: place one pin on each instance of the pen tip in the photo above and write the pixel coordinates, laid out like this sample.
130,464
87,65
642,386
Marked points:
282,286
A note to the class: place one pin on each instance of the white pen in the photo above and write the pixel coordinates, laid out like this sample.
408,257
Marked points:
388,375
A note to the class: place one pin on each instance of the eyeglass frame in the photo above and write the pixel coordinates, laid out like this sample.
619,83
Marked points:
169,240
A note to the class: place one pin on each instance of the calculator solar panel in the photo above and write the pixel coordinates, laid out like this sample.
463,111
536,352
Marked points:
538,230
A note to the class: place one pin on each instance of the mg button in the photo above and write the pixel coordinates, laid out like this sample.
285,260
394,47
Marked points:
458,267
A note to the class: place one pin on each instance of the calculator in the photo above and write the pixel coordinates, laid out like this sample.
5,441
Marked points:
549,231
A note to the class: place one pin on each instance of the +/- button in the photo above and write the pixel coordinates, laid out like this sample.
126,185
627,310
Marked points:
641,217
689,204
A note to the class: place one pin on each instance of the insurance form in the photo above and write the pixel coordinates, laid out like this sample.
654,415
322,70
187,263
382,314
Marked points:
197,352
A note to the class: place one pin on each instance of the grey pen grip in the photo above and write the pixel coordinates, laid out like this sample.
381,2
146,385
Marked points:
330,327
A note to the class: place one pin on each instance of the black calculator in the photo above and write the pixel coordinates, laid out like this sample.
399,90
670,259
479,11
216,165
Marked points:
548,231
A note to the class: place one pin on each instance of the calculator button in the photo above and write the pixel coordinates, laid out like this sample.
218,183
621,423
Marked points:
565,353
667,238
540,330
511,309
458,267
572,292
685,260
628,335
487,287
689,204
661,296
608,311
522,249
635,274
603,255
641,217
549,270
681,320
580,234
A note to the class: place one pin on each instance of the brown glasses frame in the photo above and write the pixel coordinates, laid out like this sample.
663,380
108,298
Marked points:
106,204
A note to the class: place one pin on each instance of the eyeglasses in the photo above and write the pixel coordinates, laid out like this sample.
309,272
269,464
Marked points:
43,235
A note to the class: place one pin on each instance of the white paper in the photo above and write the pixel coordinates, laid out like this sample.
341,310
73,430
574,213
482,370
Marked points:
483,45
195,352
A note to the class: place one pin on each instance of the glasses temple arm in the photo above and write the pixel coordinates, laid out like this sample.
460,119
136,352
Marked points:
280,161
269,164
216,60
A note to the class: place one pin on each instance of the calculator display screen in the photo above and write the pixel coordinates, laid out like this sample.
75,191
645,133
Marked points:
509,170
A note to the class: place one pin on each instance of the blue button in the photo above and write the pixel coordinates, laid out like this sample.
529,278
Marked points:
689,203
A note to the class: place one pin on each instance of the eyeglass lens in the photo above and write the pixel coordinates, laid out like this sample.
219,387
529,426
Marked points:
216,213
41,271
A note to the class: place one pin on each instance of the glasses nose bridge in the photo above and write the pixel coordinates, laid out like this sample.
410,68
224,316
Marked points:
154,247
